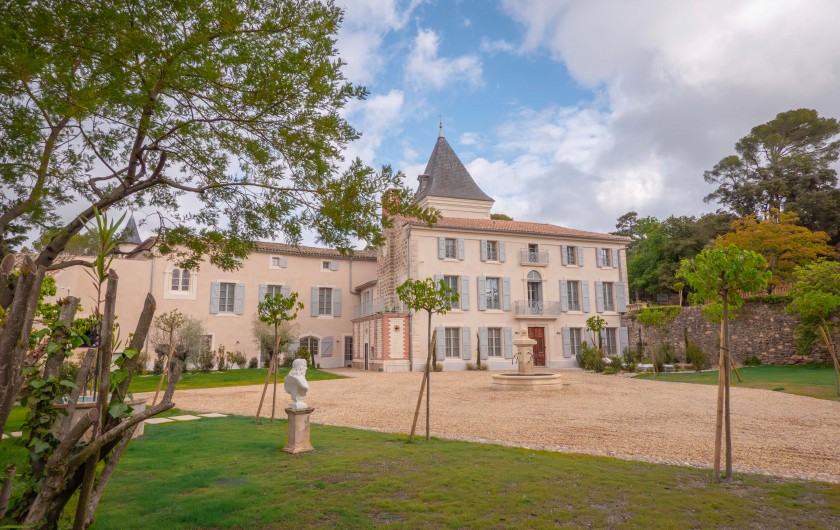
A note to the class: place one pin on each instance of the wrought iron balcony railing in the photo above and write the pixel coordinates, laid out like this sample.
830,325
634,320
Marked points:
528,308
533,257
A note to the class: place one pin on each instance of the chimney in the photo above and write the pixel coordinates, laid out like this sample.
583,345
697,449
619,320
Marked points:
390,197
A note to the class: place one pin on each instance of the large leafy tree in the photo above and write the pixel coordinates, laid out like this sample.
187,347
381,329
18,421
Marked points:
784,244
222,116
722,275
786,164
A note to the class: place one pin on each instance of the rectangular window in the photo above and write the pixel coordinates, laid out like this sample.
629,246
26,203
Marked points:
348,348
325,265
606,257
325,301
494,342
227,294
453,342
492,251
451,248
492,293
273,290
610,342
533,253
452,282
609,299
275,261
575,336
573,291
571,255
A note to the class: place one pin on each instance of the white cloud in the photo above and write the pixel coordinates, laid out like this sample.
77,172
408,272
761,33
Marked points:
678,84
496,46
424,69
377,116
469,138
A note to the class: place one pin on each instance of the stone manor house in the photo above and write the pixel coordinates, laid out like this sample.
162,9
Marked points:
510,275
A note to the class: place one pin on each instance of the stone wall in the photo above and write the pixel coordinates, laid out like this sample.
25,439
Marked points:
761,330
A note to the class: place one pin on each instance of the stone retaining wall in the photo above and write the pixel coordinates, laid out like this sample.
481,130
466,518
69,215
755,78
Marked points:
761,330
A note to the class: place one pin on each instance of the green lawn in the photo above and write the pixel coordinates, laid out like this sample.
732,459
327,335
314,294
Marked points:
229,473
245,376
814,380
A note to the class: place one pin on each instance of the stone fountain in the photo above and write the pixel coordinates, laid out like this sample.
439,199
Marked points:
525,378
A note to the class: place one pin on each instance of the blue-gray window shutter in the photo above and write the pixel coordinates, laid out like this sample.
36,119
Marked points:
438,278
563,255
441,247
466,344
336,300
439,344
313,301
483,250
584,298
502,252
599,258
506,294
263,291
239,299
580,256
326,347
482,343
615,258
623,340
620,298
567,343
461,248
215,291
481,294
599,297
334,265
286,291
464,301
564,295
284,263
507,342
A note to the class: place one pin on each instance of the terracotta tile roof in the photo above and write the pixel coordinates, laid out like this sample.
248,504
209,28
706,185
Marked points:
518,227
282,248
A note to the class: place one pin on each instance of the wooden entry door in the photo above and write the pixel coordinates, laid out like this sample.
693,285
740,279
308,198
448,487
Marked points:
538,334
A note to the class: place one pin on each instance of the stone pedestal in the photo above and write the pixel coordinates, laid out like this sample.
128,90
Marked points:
298,441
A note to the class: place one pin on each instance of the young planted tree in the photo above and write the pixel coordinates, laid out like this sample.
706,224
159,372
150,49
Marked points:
434,298
275,311
816,299
596,325
169,325
235,105
783,243
721,275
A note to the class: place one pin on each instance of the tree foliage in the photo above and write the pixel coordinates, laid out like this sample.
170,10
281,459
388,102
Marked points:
276,310
427,295
785,164
722,274
783,243
815,298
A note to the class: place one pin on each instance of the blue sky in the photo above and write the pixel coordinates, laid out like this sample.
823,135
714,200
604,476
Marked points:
573,112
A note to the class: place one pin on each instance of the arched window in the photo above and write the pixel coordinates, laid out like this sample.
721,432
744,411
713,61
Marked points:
311,344
185,280
535,290
176,279
534,276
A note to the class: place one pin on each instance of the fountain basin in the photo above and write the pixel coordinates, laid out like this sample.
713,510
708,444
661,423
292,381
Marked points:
537,381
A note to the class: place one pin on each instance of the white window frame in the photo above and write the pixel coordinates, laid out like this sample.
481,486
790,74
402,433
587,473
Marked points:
487,293
456,287
227,294
606,257
325,265
573,293
273,289
308,340
609,301
492,250
575,338
494,344
179,293
452,343
611,342
272,264
450,243
571,255
325,301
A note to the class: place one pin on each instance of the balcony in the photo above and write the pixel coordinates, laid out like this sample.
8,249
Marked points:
379,305
529,309
534,258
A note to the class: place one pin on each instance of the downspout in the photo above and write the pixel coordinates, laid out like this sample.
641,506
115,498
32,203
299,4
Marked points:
410,327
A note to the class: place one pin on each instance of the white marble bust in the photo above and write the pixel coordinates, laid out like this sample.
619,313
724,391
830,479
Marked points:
295,384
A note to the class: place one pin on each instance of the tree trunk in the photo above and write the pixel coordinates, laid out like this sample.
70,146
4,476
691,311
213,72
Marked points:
719,412
271,364
420,396
726,380
833,351
428,377
166,363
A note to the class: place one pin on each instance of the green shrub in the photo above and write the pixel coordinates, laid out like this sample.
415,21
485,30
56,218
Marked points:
253,363
591,358
630,359
614,366
221,359
204,361
237,358
695,356
753,361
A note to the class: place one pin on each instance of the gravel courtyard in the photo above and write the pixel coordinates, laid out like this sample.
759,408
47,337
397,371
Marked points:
773,433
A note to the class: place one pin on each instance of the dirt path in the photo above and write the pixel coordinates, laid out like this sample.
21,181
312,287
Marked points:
773,433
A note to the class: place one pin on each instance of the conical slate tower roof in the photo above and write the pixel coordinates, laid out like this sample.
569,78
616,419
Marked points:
132,235
447,176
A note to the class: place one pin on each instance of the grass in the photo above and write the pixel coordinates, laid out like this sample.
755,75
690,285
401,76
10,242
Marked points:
245,376
229,473
814,380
